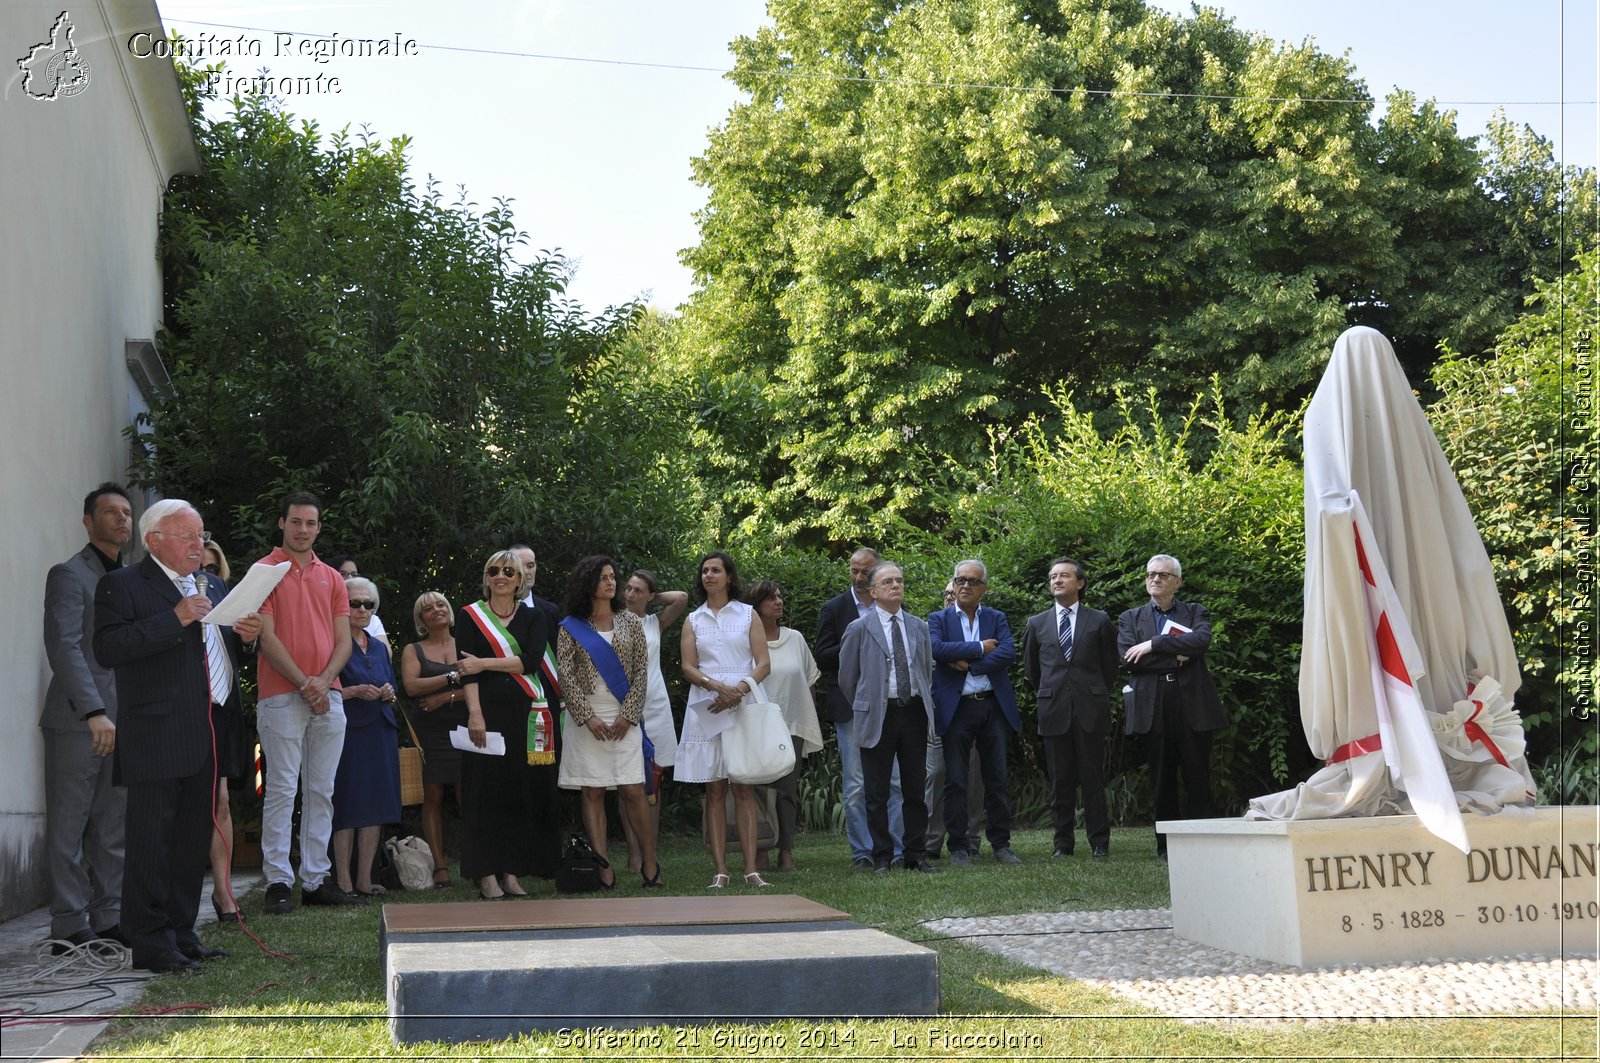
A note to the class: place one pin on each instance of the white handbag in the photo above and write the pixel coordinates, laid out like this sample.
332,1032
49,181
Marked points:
413,860
756,749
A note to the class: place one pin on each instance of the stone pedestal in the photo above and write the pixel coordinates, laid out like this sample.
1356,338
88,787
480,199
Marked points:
597,968
1317,892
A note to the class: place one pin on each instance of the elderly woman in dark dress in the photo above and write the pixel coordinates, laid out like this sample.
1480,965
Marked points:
366,788
431,679
510,820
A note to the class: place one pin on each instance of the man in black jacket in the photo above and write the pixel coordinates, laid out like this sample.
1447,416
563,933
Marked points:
170,670
1164,644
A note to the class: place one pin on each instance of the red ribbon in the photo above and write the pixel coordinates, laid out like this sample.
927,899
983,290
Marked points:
1360,747
1476,732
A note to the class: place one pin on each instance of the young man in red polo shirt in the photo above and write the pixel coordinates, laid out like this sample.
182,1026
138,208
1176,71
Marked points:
305,642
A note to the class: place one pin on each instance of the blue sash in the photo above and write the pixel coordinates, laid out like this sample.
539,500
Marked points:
609,665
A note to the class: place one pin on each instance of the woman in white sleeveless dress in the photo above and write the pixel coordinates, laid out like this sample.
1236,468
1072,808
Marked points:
724,659
641,594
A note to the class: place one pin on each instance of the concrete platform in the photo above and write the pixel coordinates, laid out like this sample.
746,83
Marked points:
476,972
1316,892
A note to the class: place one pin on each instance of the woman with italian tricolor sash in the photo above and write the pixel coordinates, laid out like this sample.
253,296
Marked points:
603,660
510,821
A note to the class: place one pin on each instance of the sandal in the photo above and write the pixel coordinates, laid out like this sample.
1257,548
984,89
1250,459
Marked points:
375,891
717,882
755,881
652,882
446,883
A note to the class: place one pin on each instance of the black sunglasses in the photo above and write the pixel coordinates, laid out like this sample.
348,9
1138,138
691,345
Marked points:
495,570
213,568
363,603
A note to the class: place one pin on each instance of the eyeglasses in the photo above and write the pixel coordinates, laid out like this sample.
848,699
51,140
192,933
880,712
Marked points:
496,570
1161,575
213,568
185,537
363,603
884,581
349,575
969,581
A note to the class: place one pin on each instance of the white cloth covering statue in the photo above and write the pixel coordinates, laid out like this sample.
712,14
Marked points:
1407,668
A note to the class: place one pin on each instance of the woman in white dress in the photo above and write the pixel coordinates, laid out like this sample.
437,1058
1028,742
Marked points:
601,657
724,659
794,673
641,594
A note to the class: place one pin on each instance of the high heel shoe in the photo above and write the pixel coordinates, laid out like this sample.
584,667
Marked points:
446,884
505,884
652,882
755,881
717,881
235,917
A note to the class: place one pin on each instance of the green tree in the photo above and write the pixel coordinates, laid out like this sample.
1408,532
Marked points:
925,210
334,328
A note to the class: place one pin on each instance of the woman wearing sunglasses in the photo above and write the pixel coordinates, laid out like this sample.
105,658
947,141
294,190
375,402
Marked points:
510,820
366,788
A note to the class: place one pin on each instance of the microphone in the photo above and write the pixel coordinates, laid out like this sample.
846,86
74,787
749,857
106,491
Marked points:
200,582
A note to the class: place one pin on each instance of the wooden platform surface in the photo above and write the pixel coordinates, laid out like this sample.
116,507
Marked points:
566,913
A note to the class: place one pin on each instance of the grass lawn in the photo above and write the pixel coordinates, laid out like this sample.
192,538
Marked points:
328,1002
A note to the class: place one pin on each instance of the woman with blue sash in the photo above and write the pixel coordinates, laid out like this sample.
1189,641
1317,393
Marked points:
603,660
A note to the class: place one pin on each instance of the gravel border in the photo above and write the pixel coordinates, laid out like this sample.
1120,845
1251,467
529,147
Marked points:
1135,955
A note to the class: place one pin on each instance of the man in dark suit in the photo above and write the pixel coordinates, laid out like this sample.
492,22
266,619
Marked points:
1069,654
170,669
1164,644
974,706
837,615
886,672
84,810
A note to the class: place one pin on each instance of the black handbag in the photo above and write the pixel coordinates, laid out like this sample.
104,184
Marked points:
580,867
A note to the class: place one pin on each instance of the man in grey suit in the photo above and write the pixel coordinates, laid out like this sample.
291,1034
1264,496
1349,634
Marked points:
886,674
84,811
1069,654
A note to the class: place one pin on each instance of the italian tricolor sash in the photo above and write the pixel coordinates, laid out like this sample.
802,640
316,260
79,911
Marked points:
502,643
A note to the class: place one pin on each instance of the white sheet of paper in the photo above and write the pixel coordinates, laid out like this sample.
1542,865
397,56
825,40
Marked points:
496,742
247,596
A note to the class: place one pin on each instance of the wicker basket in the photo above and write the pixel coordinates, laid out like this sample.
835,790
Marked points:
410,775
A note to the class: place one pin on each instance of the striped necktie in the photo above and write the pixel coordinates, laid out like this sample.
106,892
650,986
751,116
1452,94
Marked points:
219,672
1065,634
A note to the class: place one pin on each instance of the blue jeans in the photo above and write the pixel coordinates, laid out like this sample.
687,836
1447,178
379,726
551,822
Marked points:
855,798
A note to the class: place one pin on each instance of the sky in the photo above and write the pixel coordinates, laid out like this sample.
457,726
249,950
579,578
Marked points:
590,133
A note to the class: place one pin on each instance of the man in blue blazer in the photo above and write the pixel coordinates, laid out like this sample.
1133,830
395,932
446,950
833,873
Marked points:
170,670
885,672
974,705
1164,644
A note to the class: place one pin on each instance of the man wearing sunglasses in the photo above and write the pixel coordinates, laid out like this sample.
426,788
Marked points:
1173,700
305,642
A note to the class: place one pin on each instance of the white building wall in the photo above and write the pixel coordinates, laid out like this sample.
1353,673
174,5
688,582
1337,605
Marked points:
81,184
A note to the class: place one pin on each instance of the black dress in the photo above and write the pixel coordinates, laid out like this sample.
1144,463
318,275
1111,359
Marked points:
510,819
441,761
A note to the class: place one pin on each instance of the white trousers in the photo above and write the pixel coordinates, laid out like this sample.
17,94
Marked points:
301,750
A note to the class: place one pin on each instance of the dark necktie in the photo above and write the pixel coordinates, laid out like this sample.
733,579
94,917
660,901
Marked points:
1065,634
902,669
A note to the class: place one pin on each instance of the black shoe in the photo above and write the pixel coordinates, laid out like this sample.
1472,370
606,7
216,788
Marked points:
881,869
329,895
233,918
924,867
960,858
897,862
1005,855
199,953
171,963
113,933
1100,852
279,899
1060,854
73,940
862,863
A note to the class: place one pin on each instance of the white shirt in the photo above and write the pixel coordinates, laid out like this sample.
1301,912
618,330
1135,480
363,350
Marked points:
884,621
973,684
